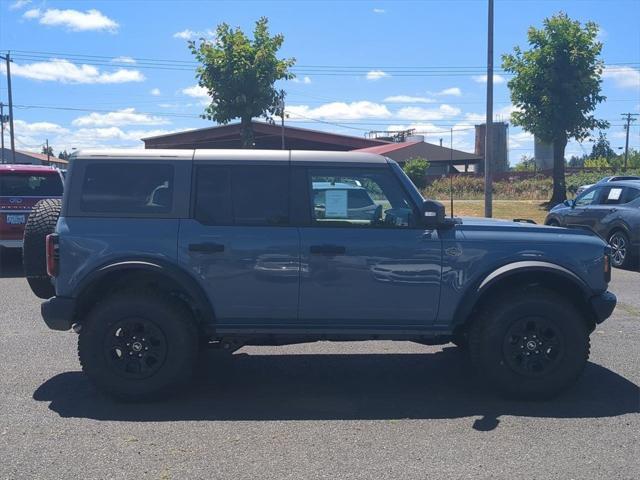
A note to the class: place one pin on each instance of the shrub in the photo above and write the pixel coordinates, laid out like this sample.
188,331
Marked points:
416,169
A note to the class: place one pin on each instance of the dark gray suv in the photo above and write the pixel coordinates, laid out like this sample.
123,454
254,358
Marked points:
612,210
158,254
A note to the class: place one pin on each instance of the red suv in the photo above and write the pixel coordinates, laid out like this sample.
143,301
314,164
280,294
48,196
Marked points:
21,187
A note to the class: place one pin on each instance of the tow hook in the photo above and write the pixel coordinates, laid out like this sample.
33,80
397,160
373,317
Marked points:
76,327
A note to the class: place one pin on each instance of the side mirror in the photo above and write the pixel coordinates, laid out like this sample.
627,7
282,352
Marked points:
432,213
568,203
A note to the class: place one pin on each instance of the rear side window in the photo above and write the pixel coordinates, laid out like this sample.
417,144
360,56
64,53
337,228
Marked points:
121,188
630,194
243,195
30,185
611,196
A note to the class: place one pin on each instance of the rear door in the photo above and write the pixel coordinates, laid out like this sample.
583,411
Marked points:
240,241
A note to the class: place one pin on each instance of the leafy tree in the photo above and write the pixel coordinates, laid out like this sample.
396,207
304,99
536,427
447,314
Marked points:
602,148
556,87
47,150
64,155
526,164
416,169
599,163
576,162
239,74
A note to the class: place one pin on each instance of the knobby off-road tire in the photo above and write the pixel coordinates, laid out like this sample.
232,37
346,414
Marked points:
138,346
529,344
41,222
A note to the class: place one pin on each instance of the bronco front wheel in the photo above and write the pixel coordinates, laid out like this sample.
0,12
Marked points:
138,346
530,344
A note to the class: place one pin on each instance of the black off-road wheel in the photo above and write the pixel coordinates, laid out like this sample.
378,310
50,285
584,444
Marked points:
138,346
529,344
41,222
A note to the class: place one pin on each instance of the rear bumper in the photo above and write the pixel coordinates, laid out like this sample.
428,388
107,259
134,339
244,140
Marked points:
603,305
10,243
57,312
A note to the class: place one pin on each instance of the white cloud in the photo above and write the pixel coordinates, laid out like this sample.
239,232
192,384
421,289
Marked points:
196,91
453,92
38,128
379,10
521,140
61,70
407,99
376,75
422,114
341,111
125,116
18,4
188,34
124,59
73,19
623,76
155,92
306,80
497,79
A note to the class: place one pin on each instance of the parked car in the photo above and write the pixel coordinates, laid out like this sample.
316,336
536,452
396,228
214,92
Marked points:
21,187
234,252
612,210
614,178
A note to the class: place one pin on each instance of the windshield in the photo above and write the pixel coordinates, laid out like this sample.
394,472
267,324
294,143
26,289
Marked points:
30,185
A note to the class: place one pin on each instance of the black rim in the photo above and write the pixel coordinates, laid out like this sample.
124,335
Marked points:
618,244
533,346
135,347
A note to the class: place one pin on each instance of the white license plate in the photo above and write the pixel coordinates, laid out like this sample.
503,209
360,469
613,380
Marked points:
16,219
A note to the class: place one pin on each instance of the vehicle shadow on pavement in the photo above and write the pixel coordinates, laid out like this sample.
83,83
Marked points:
342,387
11,263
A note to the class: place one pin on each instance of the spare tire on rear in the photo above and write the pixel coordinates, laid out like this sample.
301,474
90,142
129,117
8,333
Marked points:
41,222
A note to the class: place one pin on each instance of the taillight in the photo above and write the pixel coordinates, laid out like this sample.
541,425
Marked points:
53,255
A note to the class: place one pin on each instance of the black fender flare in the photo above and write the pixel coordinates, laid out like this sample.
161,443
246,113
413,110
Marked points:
482,285
160,267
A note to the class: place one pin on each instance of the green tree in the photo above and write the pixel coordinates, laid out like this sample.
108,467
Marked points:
239,74
64,155
416,169
47,150
602,148
556,87
599,163
526,164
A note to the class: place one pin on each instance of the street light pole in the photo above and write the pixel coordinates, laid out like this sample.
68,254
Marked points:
12,136
488,141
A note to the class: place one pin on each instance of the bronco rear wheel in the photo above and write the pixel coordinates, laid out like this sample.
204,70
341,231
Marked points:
530,344
41,222
138,346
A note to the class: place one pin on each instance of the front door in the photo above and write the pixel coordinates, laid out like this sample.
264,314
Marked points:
364,258
241,246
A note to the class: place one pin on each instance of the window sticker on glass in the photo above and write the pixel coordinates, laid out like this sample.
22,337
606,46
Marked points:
614,194
335,204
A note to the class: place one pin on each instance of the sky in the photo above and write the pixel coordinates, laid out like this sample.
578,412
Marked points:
106,73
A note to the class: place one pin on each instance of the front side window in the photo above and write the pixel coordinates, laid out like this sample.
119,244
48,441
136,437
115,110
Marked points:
359,198
587,198
243,195
121,188
30,185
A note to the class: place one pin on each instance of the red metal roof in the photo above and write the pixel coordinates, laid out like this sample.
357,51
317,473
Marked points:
26,168
391,147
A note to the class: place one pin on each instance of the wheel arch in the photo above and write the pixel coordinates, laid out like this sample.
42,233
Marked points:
524,274
139,274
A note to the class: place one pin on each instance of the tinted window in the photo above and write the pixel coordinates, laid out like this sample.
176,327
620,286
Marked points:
359,198
587,198
127,188
30,185
246,195
610,196
630,194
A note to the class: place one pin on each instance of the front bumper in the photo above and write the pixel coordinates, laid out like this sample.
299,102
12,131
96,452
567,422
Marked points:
603,305
57,312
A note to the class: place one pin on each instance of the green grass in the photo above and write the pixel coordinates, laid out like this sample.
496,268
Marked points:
505,209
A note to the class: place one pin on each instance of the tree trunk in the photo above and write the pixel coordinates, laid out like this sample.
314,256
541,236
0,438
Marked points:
559,186
246,133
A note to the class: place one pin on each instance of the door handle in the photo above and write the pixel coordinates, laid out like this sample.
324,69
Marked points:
327,250
611,210
207,247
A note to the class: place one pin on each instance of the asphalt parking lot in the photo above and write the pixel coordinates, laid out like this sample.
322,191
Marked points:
368,410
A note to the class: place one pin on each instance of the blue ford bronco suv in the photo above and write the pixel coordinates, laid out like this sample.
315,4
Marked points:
157,254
